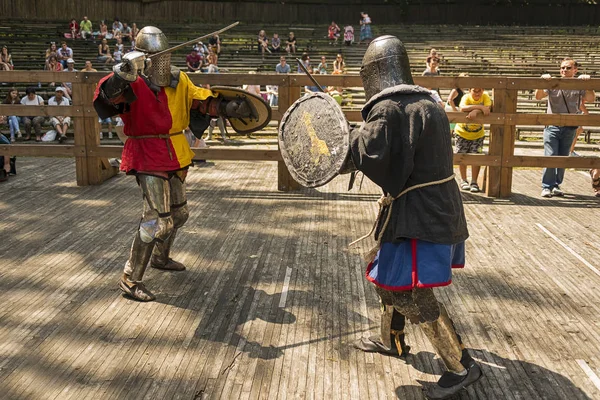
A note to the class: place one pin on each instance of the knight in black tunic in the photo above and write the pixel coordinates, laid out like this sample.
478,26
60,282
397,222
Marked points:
404,146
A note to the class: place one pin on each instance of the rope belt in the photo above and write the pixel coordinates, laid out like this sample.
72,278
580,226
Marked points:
162,136
388,200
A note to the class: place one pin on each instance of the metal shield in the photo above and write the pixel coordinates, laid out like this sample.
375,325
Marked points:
314,138
260,109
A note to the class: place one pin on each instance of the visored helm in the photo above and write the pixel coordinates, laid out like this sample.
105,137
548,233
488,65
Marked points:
385,64
151,40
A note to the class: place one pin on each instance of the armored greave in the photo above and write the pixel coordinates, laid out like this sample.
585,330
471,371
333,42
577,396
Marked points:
443,337
155,226
392,328
180,214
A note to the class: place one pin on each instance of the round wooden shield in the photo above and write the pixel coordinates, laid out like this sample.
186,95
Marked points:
314,138
261,111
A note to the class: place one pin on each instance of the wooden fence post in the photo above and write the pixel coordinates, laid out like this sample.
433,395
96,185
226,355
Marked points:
287,96
502,143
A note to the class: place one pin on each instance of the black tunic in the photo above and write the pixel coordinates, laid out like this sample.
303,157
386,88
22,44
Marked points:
404,141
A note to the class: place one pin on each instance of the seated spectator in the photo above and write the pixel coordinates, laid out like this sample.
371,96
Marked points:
273,95
73,29
263,43
68,85
283,67
85,27
215,43
32,99
13,121
126,33
194,61
312,89
51,51
348,35
212,61
104,33
117,27
275,43
290,45
202,49
54,66
432,68
6,62
64,53
333,33
107,121
254,89
117,54
104,54
305,59
60,123
89,67
322,67
339,66
469,136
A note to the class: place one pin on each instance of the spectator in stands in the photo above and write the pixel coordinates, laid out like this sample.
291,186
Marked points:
126,33
365,28
333,33
202,49
469,137
283,67
305,59
453,101
60,123
89,67
194,61
13,121
6,62
273,95
322,67
215,43
290,45
85,27
339,66
275,43
54,66
104,33
51,51
212,61
64,53
263,43
107,121
32,99
117,27
558,139
74,29
118,53
432,69
348,35
68,85
254,89
134,32
310,88
104,54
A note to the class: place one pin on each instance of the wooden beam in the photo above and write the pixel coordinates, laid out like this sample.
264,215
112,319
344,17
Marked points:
41,150
553,162
477,159
508,144
45,111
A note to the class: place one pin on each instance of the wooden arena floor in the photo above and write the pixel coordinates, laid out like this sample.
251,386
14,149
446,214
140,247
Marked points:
272,298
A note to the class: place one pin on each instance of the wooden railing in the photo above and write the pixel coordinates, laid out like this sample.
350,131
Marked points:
92,165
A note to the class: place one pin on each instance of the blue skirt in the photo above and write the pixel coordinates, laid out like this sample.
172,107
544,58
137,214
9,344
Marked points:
415,263
365,32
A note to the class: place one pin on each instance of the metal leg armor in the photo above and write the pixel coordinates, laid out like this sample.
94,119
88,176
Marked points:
155,226
160,255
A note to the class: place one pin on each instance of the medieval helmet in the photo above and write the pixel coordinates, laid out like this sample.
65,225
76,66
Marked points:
385,64
152,40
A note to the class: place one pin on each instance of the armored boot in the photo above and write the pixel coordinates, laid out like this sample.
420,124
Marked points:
131,281
160,255
391,339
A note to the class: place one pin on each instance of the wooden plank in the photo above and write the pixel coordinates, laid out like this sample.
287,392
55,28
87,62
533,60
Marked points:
42,150
493,178
508,144
554,162
45,111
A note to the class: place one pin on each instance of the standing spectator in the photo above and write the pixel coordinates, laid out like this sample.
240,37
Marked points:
68,85
322,67
32,99
273,95
339,66
215,43
305,59
104,53
365,28
348,35
117,27
126,33
558,139
60,123
432,69
194,61
74,28
64,53
583,109
283,67
470,136
89,67
212,60
106,121
13,121
333,33
263,43
275,43
290,45
6,62
85,27
453,101
221,124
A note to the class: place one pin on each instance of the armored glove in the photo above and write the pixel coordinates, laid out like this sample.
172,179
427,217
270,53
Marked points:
238,108
134,63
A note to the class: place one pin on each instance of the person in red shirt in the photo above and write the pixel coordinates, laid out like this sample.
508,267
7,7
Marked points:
194,61
74,28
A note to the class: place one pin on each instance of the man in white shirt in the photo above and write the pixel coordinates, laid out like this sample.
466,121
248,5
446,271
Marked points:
60,124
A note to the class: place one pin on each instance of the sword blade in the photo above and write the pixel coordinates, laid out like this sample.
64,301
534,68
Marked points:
309,75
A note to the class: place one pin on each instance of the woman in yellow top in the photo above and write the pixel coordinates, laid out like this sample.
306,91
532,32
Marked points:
469,137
